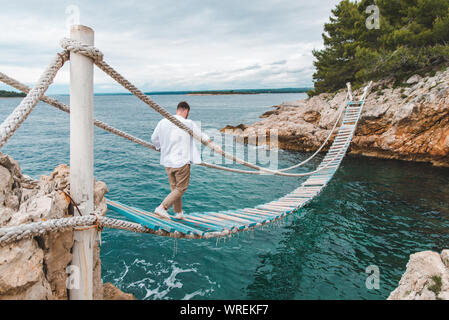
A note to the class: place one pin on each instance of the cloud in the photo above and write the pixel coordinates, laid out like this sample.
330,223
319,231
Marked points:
279,62
172,45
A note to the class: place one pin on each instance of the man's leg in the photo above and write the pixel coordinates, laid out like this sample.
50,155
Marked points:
182,177
173,195
177,205
171,198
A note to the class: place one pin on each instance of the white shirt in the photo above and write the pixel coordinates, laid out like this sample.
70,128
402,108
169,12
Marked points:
177,146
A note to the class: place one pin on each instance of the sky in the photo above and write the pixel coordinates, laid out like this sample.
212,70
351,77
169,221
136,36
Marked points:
170,45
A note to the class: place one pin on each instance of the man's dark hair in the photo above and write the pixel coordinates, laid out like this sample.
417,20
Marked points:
183,105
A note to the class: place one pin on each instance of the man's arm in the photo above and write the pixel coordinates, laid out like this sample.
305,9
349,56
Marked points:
155,137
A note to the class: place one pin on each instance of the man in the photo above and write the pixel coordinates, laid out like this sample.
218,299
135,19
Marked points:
178,152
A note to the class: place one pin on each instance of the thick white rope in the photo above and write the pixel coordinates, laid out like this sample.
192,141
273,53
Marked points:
25,231
15,119
95,54
88,50
61,106
340,113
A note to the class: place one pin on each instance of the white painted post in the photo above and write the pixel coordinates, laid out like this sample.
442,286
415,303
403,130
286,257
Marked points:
82,158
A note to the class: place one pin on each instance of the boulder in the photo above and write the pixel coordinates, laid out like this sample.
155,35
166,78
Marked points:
36,268
426,278
396,123
111,292
413,79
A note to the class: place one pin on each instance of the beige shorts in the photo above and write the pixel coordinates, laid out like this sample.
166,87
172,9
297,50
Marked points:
179,179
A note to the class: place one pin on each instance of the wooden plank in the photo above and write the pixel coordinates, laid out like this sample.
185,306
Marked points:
270,214
254,217
278,214
234,217
199,224
151,219
274,208
226,223
285,206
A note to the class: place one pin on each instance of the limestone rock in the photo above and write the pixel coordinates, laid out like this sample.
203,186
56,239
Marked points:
406,123
20,266
57,257
413,79
5,183
97,282
239,127
100,189
426,278
113,293
271,112
36,268
445,257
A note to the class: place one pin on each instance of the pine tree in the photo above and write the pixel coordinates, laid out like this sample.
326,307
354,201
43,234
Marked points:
413,38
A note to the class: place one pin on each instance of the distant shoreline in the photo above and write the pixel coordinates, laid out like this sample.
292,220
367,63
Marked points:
208,92
11,94
234,93
246,91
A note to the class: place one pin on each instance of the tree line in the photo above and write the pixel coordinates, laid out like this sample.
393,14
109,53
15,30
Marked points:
10,94
412,38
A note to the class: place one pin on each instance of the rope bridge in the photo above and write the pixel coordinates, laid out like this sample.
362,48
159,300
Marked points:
195,225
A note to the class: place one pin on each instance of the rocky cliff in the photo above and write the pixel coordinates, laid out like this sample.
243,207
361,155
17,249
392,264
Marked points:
409,122
36,268
426,278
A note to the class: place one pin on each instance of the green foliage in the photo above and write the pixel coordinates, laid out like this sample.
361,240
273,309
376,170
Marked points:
9,94
437,285
413,38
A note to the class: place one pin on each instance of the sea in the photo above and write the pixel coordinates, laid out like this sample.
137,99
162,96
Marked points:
352,242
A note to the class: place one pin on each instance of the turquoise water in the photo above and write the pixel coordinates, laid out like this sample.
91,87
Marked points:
374,212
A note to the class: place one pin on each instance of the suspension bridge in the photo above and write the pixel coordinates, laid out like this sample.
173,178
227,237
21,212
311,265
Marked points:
81,52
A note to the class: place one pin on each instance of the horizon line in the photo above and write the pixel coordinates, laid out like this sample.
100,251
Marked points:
211,91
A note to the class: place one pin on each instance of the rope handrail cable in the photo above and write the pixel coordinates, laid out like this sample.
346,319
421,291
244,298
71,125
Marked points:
97,56
22,111
70,44
342,109
34,95
63,107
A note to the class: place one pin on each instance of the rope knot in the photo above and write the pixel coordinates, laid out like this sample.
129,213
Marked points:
76,46
98,223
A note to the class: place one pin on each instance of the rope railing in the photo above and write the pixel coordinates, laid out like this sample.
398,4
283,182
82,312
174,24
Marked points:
63,107
340,113
26,231
92,52
15,119
34,95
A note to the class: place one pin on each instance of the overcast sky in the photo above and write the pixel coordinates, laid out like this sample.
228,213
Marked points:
171,45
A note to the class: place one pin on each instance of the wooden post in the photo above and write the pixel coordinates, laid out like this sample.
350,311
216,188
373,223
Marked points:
82,159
